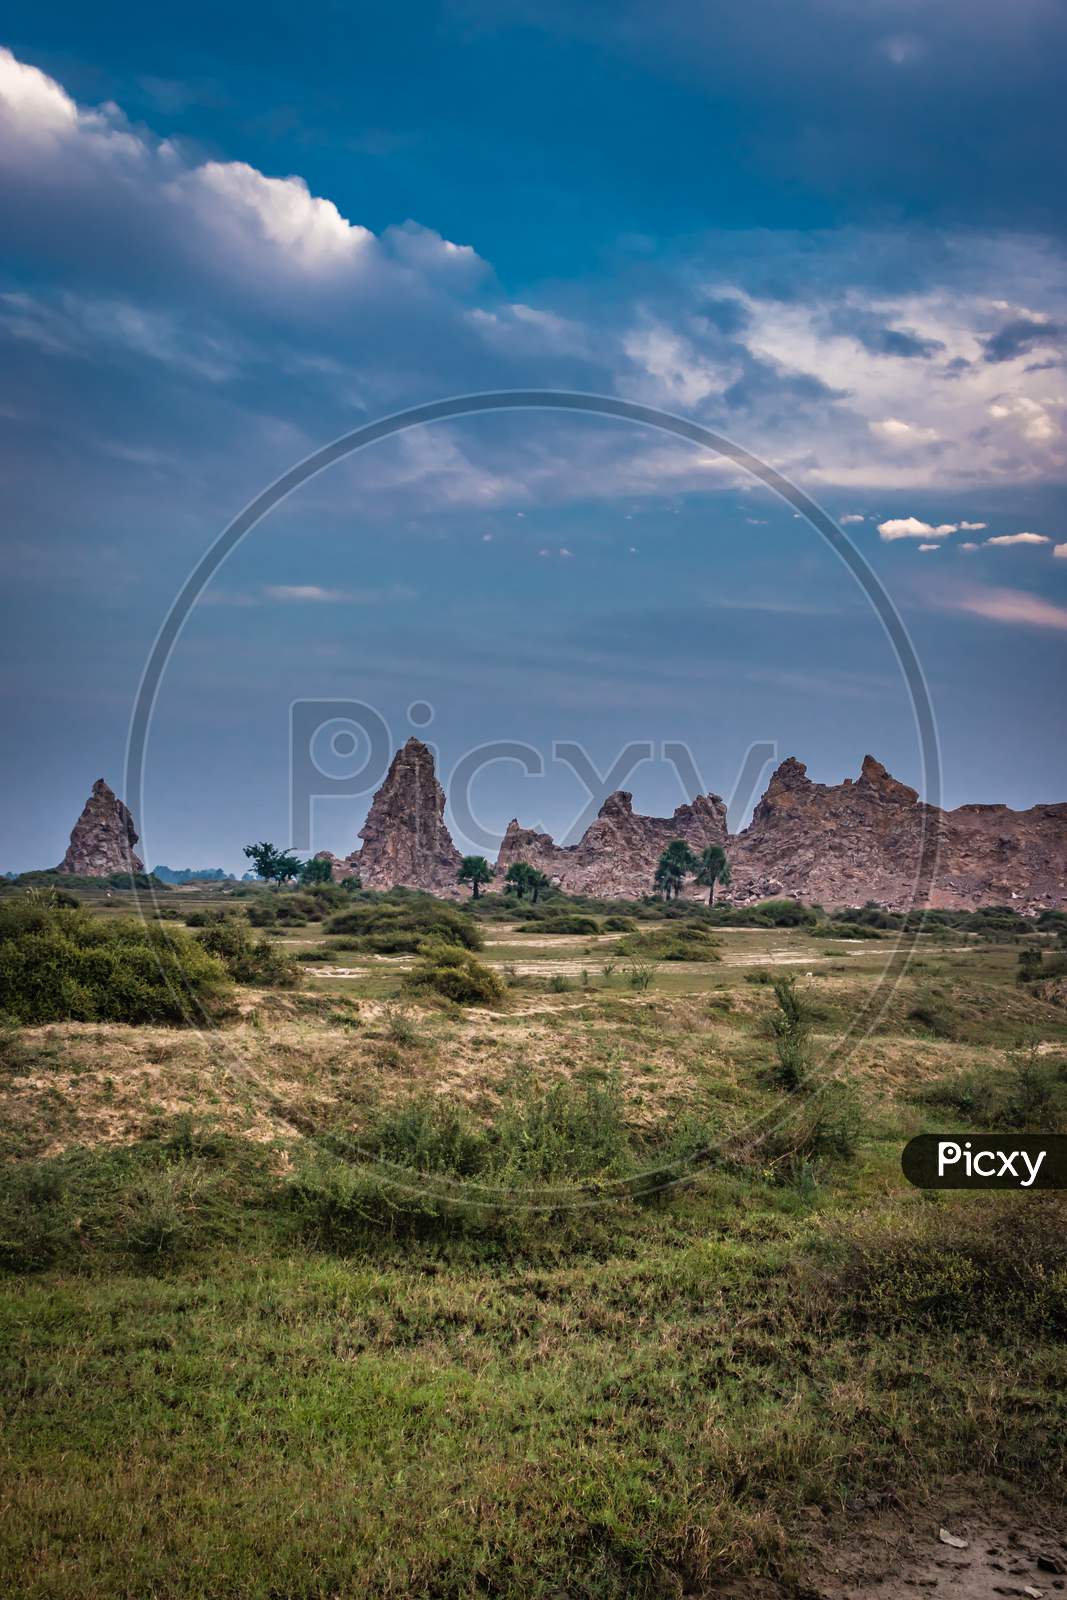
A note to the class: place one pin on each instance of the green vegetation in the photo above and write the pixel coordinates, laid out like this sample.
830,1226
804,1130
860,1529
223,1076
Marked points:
474,870
271,864
563,922
1028,1092
675,865
60,962
454,973
316,870
600,1292
246,958
676,942
395,924
713,869
521,879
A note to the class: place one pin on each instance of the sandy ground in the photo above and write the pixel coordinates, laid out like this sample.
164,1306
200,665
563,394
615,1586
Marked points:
1002,1556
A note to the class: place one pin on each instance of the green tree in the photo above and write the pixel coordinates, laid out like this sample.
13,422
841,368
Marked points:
713,868
271,864
316,870
474,870
538,882
675,864
517,879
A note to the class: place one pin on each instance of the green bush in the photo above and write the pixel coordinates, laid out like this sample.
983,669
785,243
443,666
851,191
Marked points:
618,924
572,922
680,942
62,964
1028,1092
823,1131
246,958
399,926
456,974
791,1030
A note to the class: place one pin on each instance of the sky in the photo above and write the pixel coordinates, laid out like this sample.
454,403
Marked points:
831,230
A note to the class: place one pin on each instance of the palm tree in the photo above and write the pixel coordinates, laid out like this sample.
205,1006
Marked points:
675,865
474,870
537,880
518,878
713,868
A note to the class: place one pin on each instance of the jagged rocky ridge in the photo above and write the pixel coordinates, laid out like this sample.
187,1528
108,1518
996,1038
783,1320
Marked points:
837,844
863,839
102,839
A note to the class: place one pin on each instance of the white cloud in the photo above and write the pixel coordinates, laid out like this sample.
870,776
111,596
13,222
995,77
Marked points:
893,431
930,547
912,528
32,105
1009,605
967,545
243,204
851,516
1060,550
1018,538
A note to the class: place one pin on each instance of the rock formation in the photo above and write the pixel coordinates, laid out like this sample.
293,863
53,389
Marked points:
103,837
616,856
405,840
843,844
837,844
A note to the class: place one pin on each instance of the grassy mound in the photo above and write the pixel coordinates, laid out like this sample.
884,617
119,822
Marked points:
59,963
682,941
399,926
564,922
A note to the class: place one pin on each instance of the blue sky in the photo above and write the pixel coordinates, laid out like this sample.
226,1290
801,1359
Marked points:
832,230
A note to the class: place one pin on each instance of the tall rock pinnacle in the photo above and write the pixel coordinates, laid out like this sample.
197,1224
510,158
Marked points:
102,839
405,840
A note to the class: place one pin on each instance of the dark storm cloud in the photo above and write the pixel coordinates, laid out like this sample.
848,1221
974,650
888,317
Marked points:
1019,337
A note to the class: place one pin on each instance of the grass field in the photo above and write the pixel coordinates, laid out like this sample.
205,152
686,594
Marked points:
248,1350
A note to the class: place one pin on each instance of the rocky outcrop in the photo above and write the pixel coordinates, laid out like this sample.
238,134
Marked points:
405,840
868,838
872,838
103,837
617,855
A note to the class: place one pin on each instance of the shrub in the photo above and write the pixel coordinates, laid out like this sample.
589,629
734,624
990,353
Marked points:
791,1030
684,942
453,972
573,922
246,958
400,926
1029,1092
60,963
262,913
616,924
822,1132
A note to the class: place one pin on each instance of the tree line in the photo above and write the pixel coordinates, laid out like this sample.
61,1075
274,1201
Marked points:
677,863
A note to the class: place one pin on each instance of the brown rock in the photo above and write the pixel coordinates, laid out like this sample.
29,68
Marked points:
617,855
103,837
405,840
843,844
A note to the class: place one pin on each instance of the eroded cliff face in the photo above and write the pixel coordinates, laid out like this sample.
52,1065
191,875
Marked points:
405,840
872,838
869,838
102,839
617,855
